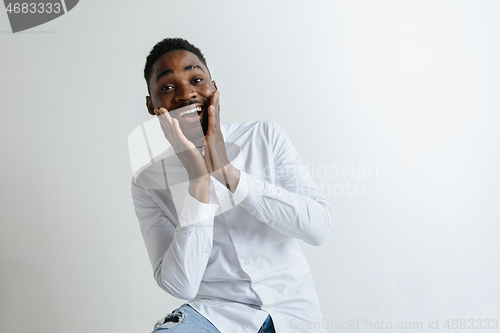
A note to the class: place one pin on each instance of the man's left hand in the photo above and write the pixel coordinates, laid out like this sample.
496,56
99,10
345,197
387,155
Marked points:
215,154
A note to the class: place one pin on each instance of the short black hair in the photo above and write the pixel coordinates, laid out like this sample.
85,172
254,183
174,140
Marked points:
169,45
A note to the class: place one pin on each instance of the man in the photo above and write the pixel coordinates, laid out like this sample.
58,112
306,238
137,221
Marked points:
221,210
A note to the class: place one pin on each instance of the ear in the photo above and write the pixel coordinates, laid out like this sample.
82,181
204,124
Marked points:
215,86
149,105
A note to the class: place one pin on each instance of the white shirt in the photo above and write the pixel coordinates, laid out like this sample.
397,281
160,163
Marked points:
237,258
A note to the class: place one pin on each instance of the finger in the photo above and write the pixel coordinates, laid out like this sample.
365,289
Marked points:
217,105
165,123
177,133
164,116
160,111
212,119
214,100
214,112
217,102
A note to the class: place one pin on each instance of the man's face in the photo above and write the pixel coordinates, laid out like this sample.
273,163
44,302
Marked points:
179,79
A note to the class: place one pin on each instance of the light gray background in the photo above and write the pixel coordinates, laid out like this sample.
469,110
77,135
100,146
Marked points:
409,88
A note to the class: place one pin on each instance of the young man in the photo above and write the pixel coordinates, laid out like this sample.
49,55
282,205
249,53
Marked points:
221,210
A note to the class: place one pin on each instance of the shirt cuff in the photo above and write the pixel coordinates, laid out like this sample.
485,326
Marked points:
249,191
195,211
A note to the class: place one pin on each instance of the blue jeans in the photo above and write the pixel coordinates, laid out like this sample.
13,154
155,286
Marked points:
187,320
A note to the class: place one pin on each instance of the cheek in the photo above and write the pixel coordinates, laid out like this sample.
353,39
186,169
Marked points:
162,101
206,91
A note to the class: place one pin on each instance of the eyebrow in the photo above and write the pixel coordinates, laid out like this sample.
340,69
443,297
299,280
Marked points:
171,71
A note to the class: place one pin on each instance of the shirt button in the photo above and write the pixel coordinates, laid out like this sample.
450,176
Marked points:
257,283
211,216
221,195
271,222
243,202
235,229
246,262
267,308
206,251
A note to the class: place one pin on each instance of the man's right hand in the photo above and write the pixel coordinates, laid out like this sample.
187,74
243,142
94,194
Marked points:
189,155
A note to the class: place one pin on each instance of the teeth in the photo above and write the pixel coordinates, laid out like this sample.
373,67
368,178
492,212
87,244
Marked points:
196,109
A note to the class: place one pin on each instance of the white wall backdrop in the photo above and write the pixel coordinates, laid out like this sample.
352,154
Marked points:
393,105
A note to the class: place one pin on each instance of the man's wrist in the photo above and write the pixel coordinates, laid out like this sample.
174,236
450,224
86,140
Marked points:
199,188
229,176
233,176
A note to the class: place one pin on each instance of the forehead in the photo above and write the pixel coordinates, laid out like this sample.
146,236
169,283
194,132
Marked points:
176,61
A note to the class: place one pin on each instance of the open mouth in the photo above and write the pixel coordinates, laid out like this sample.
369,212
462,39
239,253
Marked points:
191,112
188,111
189,115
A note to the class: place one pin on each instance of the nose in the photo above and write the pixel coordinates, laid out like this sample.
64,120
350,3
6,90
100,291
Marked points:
185,92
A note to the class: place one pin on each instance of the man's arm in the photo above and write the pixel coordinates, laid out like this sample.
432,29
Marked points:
179,255
216,156
293,204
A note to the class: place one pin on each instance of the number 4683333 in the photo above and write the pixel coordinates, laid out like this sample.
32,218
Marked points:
33,8
472,324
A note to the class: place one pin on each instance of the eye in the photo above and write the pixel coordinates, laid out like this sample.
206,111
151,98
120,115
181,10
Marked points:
166,88
197,80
